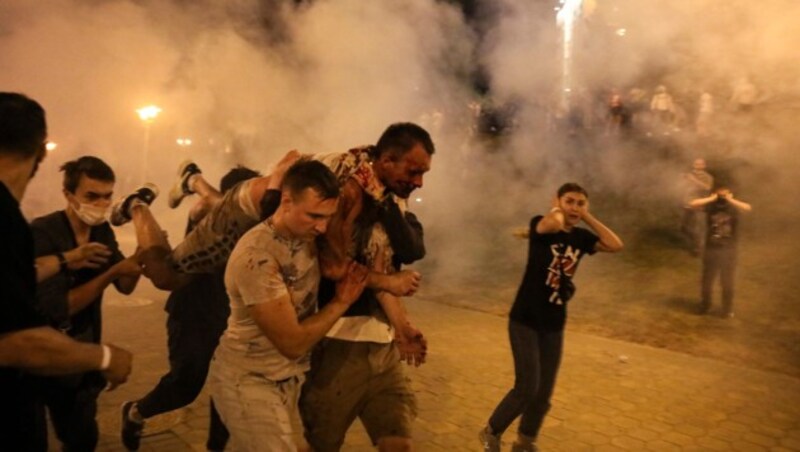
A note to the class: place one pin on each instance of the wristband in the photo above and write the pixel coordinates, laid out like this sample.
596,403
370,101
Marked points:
106,362
62,262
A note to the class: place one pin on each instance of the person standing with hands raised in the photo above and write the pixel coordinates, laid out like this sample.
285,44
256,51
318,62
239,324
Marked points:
538,315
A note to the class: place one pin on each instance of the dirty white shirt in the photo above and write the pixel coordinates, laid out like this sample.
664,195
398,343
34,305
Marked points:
264,267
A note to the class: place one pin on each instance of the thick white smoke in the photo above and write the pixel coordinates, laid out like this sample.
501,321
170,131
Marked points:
248,80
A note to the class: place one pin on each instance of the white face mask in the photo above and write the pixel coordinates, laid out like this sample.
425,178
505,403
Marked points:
91,214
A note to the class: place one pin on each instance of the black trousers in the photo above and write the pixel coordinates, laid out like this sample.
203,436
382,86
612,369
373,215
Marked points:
690,229
22,420
718,261
72,404
537,357
192,336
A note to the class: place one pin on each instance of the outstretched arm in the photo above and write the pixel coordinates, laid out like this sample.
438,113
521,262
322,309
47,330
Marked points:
45,351
80,297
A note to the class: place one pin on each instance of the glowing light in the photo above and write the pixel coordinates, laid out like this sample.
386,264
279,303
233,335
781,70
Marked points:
184,142
50,146
566,18
148,113
621,32
418,199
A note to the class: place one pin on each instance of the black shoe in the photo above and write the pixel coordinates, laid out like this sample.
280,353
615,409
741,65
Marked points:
181,188
131,432
120,211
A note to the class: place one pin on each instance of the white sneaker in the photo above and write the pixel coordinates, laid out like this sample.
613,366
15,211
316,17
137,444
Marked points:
181,188
120,210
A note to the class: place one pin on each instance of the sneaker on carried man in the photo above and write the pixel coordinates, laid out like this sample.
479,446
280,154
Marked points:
131,429
121,210
489,441
181,189
525,447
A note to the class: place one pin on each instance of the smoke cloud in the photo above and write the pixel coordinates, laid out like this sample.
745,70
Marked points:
248,80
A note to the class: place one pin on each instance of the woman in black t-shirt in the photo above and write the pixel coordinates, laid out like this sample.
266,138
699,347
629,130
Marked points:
538,315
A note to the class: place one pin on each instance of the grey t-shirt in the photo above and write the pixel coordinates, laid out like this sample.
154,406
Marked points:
264,267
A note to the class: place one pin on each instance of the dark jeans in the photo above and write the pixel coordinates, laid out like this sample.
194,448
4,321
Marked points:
718,261
23,426
537,357
72,404
690,229
192,337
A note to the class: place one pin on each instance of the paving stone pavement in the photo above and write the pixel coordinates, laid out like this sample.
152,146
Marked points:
611,395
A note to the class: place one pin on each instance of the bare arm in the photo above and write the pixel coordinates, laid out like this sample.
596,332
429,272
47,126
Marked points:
45,351
410,342
740,205
552,222
278,321
125,272
272,181
609,241
522,232
334,257
701,202
89,255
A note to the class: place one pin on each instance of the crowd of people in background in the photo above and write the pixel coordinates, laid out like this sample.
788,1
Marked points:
620,112
286,291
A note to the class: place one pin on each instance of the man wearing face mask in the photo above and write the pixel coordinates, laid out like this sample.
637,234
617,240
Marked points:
71,300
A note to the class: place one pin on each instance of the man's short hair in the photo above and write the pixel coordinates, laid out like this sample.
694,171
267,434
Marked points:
572,187
23,128
401,138
89,166
310,174
235,176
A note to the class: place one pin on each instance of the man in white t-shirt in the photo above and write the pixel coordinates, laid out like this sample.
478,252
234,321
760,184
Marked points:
272,279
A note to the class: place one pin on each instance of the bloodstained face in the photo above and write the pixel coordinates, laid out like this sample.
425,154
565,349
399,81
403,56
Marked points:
402,173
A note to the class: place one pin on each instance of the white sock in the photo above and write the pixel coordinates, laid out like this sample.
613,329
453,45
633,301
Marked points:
190,182
134,415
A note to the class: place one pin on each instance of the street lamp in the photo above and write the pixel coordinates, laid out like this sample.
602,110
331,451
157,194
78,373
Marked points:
147,114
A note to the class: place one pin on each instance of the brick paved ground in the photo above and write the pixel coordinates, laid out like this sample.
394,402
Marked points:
611,395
